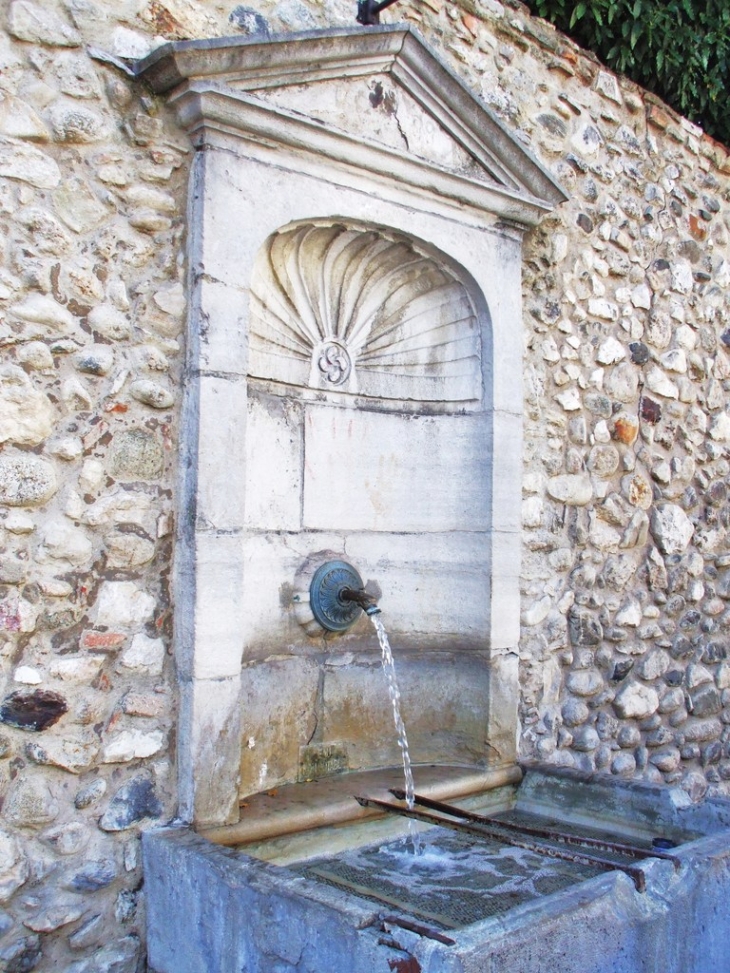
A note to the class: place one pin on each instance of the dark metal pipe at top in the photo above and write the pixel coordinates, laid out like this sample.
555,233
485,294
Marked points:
368,11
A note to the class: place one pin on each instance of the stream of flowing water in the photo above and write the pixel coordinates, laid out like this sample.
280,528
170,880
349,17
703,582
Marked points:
400,728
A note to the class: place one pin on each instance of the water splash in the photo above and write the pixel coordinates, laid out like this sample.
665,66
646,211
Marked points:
400,727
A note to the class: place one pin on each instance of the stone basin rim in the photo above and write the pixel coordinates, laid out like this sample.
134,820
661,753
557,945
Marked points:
296,808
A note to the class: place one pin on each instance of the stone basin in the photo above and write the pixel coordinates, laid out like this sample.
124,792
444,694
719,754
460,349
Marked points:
324,895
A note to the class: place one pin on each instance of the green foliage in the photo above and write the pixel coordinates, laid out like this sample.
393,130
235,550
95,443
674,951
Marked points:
679,49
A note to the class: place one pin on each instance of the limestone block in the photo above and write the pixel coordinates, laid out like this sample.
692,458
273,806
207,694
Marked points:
278,716
19,120
119,507
434,586
27,164
374,471
215,620
584,682
67,839
81,669
503,617
653,665
224,347
78,206
622,382
209,742
506,471
682,277
357,712
221,436
274,457
720,428
95,360
658,382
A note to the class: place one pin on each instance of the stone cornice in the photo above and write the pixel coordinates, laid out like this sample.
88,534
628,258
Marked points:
213,86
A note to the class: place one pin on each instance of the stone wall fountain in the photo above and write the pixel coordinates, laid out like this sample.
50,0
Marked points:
353,393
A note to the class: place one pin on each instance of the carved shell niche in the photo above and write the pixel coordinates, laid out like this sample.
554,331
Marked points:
362,311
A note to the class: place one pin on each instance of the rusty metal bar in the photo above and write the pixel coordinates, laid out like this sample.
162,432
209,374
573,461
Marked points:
425,931
631,851
493,832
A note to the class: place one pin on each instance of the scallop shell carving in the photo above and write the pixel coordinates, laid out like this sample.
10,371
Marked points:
362,311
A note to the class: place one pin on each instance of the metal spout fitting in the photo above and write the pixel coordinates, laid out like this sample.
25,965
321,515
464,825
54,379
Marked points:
368,604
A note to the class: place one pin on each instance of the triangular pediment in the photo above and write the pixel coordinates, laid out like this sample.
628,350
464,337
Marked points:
378,108
346,95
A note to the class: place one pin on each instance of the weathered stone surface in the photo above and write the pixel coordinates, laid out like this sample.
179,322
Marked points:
28,164
92,876
134,801
67,839
584,682
132,745
31,803
14,870
152,394
26,414
74,123
122,604
63,542
23,954
635,701
653,665
144,655
51,317
137,454
72,754
95,360
109,322
114,958
575,490
671,528
26,480
584,627
39,25
89,795
574,712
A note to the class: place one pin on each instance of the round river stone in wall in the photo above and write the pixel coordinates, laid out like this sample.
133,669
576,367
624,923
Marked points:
137,455
26,481
636,702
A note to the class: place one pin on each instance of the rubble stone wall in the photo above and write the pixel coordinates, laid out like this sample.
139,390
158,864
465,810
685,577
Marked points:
626,577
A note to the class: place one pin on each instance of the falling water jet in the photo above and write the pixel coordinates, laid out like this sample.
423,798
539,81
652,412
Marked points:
400,728
336,592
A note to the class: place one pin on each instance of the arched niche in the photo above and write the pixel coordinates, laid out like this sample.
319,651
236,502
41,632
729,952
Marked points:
366,312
